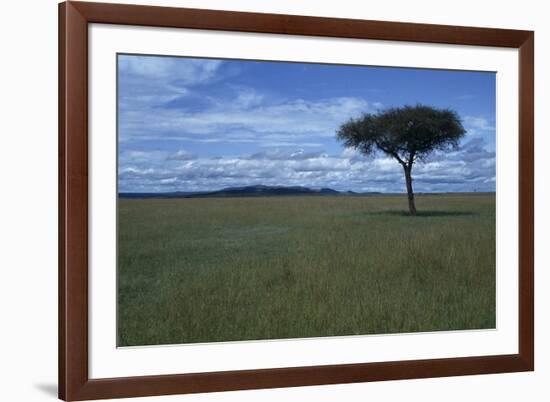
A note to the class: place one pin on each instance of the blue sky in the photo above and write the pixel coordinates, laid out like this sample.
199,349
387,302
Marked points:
188,124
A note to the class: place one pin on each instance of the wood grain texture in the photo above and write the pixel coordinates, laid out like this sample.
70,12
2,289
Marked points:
74,382
73,201
526,201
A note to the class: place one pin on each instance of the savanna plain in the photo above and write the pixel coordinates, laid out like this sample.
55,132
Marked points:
231,269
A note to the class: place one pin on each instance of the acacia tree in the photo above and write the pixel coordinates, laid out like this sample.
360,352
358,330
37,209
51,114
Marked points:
407,134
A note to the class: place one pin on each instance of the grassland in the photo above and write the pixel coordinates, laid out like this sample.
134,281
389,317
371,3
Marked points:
225,269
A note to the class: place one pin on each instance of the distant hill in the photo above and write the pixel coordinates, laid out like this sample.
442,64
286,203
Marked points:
264,190
177,194
246,191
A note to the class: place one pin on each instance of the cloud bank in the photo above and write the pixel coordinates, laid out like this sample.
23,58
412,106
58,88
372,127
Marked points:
472,168
199,125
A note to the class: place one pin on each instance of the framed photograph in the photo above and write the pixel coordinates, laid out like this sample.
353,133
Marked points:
259,200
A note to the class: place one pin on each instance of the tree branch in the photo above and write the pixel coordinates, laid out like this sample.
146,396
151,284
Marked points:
411,158
392,153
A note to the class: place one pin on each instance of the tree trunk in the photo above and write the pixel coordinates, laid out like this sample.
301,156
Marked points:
410,193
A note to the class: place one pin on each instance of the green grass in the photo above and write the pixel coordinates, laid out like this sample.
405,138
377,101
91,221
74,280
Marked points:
207,270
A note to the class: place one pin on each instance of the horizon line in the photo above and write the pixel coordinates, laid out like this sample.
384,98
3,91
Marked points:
308,188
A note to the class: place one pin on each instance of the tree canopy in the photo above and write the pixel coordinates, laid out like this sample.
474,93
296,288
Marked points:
407,134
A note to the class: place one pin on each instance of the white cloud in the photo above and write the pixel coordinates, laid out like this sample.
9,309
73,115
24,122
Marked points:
159,101
478,123
145,82
470,168
247,98
246,117
181,155
186,71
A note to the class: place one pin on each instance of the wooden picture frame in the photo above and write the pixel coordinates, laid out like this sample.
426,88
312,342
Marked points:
74,381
